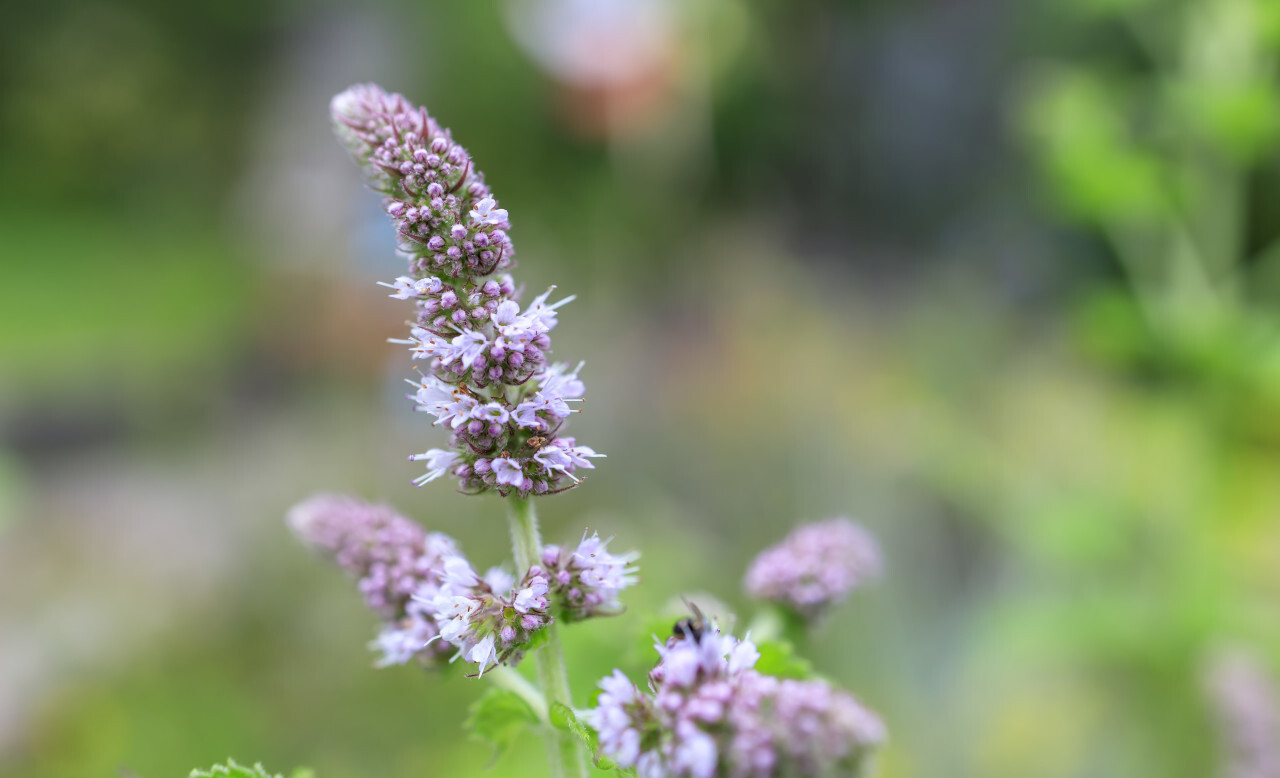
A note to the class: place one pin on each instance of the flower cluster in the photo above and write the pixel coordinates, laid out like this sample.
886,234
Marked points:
710,713
487,377
1247,708
395,561
431,600
816,566
489,620
588,579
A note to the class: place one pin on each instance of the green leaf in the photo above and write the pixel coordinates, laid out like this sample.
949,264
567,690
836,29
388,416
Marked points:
499,717
778,658
563,718
1241,119
233,770
1099,172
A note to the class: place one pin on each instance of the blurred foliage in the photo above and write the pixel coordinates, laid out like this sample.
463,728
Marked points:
499,717
1161,154
233,770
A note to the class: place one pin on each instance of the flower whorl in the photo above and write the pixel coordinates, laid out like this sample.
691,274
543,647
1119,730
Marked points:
711,714
487,375
814,567
588,579
395,563
1246,704
432,602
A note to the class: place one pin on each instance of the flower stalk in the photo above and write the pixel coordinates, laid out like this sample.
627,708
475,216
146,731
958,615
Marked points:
565,755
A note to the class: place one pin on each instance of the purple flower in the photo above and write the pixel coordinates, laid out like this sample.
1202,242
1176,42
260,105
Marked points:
588,580
562,383
485,212
489,620
483,653
816,566
487,374
392,558
438,461
508,471
1246,704
533,596
709,713
432,603
466,347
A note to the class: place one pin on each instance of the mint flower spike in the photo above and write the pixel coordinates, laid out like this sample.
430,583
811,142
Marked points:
1245,701
395,562
487,378
815,567
433,605
587,580
489,620
709,713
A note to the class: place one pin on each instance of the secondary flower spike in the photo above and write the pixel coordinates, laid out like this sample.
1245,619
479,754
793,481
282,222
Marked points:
1246,704
434,606
709,714
815,567
397,564
485,374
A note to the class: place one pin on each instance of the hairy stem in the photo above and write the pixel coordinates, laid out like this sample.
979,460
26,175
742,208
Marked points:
510,679
567,760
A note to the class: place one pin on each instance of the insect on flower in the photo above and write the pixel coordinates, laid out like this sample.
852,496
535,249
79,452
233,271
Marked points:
693,627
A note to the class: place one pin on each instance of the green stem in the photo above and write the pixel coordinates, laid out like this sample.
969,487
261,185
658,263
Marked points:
510,679
566,758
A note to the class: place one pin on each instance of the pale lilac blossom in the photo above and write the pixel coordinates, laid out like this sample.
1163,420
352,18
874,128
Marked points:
557,381
581,456
438,463
1245,702
532,596
508,472
485,212
815,567
710,713
393,559
466,347
493,413
483,653
587,579
499,580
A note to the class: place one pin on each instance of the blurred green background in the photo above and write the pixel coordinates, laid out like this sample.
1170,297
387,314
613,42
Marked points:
996,277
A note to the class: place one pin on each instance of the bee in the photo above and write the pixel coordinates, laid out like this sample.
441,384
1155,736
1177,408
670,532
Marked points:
693,627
